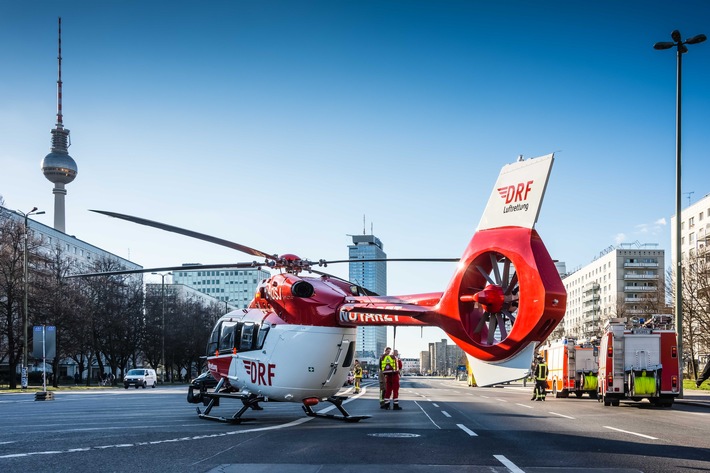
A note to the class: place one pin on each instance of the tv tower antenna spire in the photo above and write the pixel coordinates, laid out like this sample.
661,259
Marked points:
58,167
60,124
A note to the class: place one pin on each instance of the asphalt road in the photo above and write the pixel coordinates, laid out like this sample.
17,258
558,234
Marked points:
444,426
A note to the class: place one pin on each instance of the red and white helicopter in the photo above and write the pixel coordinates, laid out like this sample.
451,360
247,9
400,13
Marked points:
296,340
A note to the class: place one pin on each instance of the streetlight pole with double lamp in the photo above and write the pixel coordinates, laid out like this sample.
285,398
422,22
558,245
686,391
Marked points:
162,291
26,288
681,49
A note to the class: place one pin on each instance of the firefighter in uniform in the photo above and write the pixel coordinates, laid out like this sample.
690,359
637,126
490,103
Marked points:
540,374
357,374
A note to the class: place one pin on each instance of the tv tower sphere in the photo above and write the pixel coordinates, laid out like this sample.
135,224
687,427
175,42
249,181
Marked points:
58,167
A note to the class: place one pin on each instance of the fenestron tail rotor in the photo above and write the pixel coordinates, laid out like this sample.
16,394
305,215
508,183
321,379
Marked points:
499,299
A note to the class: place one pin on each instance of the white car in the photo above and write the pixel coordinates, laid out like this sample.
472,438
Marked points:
140,377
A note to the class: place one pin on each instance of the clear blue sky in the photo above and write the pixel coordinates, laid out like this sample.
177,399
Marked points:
278,124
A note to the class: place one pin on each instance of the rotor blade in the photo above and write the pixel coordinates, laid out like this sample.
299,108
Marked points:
506,274
501,325
492,329
485,275
496,271
513,284
373,260
190,233
253,264
509,315
481,322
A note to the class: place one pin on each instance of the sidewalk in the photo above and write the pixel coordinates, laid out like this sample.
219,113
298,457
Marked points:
695,397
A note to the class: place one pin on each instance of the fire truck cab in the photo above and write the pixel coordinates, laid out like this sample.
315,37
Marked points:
638,363
571,367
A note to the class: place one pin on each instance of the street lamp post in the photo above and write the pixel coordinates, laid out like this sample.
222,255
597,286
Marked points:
162,291
26,287
681,49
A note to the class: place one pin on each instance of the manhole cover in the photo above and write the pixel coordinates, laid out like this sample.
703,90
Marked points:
397,435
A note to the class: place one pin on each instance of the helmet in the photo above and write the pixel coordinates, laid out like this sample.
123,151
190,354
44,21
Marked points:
539,358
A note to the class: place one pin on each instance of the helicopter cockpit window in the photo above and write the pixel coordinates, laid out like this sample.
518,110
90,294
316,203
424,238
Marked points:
247,337
226,341
213,342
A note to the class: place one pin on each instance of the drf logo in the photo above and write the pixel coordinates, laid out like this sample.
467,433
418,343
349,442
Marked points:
515,193
260,373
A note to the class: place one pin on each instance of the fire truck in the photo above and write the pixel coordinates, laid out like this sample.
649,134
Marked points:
571,367
639,363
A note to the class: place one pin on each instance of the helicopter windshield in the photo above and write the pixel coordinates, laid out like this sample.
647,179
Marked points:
242,336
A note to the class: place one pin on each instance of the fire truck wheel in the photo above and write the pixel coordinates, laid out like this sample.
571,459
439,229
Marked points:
578,393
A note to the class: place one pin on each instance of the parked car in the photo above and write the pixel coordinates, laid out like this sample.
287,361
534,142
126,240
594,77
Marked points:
140,377
200,385
351,379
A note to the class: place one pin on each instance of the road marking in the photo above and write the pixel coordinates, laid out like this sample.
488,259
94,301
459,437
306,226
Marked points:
691,413
446,413
561,415
434,404
508,464
432,420
523,405
631,433
467,430
501,400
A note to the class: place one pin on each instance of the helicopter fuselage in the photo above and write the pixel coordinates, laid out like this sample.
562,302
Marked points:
253,350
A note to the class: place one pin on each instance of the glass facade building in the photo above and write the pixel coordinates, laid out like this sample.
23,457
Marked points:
371,341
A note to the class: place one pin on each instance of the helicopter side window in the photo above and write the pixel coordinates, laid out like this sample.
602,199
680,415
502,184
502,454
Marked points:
261,336
247,337
213,342
226,342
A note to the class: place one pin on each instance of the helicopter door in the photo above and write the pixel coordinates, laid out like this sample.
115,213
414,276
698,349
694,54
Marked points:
345,353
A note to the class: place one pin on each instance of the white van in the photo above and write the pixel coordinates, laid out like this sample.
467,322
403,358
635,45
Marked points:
140,377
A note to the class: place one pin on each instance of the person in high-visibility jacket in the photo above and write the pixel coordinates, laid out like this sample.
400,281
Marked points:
380,374
540,374
357,374
390,371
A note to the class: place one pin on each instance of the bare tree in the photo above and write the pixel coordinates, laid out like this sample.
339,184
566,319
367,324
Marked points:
12,288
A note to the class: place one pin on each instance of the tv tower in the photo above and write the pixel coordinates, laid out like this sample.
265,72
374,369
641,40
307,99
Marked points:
58,167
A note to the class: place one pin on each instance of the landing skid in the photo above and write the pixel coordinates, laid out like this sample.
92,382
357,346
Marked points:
248,401
337,401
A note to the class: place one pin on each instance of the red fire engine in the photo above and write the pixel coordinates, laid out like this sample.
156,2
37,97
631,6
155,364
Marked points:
639,363
572,367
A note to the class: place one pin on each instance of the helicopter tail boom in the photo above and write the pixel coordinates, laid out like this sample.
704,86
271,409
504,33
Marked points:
506,293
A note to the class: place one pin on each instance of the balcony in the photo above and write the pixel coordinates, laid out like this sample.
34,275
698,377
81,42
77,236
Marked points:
640,276
640,265
640,288
640,299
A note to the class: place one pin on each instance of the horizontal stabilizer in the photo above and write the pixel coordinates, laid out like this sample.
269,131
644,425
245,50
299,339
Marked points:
511,369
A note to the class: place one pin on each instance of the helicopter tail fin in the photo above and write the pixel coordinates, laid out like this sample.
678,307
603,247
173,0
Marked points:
506,293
